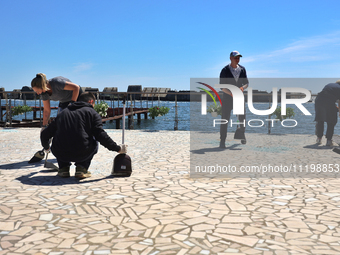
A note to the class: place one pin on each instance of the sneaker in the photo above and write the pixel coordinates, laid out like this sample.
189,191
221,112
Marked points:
82,172
318,140
331,143
64,172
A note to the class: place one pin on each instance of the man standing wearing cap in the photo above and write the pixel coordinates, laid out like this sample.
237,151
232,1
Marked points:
233,74
326,111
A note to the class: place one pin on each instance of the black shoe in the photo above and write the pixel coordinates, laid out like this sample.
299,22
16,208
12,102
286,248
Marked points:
243,141
64,172
82,173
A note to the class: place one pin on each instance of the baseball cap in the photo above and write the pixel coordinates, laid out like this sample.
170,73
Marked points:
235,53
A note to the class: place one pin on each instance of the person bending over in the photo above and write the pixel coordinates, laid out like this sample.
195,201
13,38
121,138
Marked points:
57,89
326,111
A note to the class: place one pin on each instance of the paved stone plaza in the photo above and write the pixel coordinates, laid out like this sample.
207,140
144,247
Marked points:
160,209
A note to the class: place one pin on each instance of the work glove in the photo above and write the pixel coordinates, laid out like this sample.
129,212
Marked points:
123,149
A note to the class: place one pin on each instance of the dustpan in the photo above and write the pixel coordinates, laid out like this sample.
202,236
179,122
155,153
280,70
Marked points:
50,165
122,162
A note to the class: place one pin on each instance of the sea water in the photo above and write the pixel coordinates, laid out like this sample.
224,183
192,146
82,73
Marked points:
189,114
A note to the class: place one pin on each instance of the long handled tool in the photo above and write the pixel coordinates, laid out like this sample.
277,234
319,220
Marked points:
122,162
50,164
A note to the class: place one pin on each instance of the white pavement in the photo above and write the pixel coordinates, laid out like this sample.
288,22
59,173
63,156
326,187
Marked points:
160,209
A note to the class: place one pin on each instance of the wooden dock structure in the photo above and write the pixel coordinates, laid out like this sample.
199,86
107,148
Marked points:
113,114
117,114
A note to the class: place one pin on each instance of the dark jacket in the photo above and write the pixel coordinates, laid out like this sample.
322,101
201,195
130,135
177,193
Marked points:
325,107
226,77
75,133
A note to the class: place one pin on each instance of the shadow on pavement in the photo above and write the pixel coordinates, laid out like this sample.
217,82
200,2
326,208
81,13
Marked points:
26,165
317,147
30,179
21,165
217,149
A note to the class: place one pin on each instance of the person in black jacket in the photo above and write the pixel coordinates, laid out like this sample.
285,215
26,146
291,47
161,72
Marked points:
233,74
76,132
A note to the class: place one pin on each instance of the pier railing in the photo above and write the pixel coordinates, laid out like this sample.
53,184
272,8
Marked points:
136,100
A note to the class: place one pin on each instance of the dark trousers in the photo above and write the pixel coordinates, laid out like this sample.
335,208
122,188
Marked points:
320,129
227,106
86,163
325,111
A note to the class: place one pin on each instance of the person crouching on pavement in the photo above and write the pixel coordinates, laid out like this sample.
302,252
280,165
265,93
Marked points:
76,132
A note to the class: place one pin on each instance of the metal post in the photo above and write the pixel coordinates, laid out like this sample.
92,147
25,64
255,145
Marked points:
7,107
176,114
131,111
113,104
10,110
24,96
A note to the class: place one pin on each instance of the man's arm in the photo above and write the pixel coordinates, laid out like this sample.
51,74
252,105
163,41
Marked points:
246,81
101,136
47,134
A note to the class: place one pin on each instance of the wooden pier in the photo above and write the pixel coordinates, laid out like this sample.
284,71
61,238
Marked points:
113,114
117,114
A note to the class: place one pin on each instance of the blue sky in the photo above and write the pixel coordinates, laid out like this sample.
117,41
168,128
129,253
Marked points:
165,43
